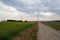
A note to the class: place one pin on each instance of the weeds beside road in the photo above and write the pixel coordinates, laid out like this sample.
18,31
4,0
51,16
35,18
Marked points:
55,25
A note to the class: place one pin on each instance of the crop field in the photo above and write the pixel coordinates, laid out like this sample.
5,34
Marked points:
10,29
55,25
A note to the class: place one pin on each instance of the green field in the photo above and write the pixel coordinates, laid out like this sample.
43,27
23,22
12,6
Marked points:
10,29
55,25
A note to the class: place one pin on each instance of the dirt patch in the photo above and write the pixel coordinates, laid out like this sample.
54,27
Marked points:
27,34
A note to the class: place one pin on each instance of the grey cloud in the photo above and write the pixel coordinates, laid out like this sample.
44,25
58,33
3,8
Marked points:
41,5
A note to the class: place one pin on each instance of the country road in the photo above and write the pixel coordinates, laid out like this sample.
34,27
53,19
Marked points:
47,33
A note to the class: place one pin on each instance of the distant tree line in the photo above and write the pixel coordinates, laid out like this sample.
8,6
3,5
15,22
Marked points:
51,21
14,21
57,21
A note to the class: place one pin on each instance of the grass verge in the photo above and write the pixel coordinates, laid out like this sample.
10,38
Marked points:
55,25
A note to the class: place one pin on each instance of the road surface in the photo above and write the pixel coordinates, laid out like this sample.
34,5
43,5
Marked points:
47,33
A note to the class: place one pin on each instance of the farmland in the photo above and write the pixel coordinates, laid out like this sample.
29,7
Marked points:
10,29
55,25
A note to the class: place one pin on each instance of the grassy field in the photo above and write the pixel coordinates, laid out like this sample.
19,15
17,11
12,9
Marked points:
10,29
55,25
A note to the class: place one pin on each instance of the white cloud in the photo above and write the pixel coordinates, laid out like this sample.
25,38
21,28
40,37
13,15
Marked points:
6,11
9,12
47,14
6,7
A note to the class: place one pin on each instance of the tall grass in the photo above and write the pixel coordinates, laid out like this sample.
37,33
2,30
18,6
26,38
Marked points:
55,25
9,29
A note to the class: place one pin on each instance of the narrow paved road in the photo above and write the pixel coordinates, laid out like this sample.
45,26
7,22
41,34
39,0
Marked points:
47,33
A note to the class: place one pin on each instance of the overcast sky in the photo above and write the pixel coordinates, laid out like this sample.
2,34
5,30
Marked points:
27,9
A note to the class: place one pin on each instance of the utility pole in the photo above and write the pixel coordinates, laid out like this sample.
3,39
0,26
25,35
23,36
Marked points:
38,16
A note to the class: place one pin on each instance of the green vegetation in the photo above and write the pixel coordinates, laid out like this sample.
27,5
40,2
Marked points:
10,29
34,35
34,32
55,25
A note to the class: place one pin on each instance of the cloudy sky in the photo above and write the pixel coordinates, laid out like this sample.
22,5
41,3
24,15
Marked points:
28,9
